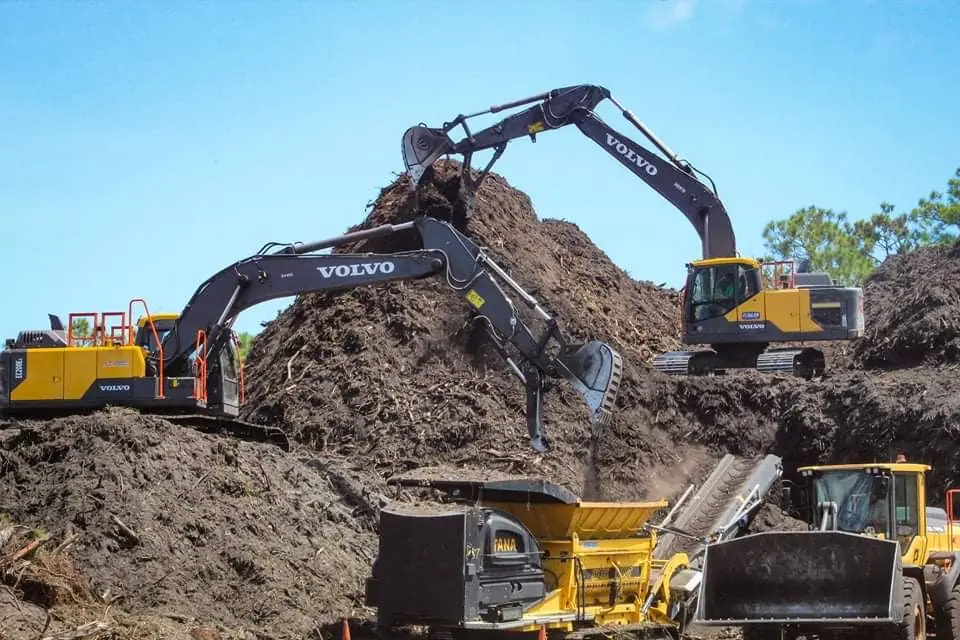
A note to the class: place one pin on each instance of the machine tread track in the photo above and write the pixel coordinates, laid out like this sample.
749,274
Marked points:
804,362
231,427
205,423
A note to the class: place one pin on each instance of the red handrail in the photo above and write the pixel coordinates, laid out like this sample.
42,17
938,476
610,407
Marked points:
236,344
71,338
200,385
778,269
156,337
950,515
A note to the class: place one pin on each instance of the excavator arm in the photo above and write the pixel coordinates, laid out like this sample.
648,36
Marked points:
594,369
672,178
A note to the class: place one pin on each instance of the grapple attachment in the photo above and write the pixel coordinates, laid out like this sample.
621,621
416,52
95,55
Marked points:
800,577
422,146
595,370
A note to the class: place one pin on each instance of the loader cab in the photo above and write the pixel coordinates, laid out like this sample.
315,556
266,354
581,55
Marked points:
716,286
886,500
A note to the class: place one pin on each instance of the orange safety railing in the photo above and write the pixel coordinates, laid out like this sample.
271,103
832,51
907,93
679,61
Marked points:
156,339
783,276
100,329
683,308
236,346
200,367
950,515
112,332
90,340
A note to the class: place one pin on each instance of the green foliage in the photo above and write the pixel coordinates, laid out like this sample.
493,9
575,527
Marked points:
81,328
851,250
245,339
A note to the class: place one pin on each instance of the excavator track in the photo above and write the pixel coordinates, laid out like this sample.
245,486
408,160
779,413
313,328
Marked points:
712,509
205,423
682,363
231,427
805,362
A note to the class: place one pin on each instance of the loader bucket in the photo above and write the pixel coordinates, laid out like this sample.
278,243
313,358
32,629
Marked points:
800,576
421,148
595,370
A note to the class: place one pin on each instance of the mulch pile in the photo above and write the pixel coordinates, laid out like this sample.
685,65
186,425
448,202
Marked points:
227,536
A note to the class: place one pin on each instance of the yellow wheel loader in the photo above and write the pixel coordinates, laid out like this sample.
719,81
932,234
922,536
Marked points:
728,304
876,562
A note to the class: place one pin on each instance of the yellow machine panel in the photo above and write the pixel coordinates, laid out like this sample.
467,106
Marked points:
68,373
586,520
121,362
44,376
80,371
789,310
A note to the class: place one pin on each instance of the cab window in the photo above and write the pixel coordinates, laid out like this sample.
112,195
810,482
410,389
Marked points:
713,292
906,507
747,283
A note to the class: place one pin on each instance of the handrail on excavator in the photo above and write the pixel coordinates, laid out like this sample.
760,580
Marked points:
156,338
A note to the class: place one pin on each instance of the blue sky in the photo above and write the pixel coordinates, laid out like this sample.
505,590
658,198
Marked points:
147,145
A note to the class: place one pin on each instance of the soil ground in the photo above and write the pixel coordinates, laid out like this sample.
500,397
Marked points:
152,530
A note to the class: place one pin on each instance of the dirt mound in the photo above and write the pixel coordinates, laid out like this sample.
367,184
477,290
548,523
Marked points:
189,534
912,306
167,522
383,373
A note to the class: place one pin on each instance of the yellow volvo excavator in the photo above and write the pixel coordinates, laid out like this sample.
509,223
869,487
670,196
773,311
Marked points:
186,364
734,304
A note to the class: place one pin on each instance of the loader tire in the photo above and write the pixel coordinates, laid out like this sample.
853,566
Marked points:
913,625
948,617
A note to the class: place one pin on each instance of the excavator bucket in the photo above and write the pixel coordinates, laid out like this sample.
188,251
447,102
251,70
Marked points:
422,146
595,370
796,577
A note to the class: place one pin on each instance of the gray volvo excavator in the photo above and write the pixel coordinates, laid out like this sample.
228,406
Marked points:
187,361
763,304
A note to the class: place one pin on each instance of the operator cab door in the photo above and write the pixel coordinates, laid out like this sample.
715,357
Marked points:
909,520
229,379
145,338
713,291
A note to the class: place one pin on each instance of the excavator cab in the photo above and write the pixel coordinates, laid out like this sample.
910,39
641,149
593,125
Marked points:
717,286
223,375
740,306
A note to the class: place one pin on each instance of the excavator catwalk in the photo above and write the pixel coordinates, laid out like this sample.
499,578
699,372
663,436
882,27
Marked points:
188,362
736,306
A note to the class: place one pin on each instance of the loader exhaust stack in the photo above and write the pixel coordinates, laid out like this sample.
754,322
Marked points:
797,577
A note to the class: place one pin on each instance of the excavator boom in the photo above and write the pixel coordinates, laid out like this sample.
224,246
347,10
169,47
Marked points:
672,177
594,369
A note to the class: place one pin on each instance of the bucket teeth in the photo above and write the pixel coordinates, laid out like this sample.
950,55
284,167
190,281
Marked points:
596,370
